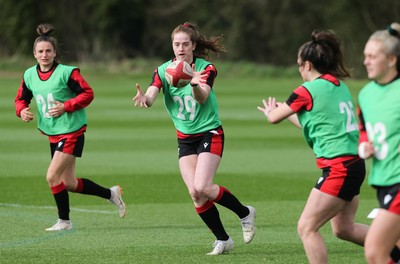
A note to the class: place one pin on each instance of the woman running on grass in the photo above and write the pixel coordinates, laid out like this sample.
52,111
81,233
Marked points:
61,95
194,111
379,114
323,107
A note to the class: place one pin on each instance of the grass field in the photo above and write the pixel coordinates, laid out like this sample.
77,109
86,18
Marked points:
269,167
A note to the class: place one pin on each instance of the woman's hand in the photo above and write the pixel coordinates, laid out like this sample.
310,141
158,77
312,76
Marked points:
57,109
365,150
198,78
277,111
139,98
201,90
26,114
268,106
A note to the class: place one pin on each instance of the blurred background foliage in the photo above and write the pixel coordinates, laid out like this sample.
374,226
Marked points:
258,31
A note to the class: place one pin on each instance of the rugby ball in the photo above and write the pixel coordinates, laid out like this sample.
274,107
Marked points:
179,73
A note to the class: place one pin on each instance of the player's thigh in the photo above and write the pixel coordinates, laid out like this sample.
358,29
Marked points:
319,209
69,178
346,216
207,165
187,167
59,163
384,231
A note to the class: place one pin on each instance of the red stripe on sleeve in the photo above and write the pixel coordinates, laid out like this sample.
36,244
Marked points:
84,92
361,126
23,98
156,80
300,99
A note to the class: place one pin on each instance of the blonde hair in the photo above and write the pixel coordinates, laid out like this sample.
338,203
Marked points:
390,38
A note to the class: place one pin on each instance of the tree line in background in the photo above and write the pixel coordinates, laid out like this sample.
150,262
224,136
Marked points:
260,31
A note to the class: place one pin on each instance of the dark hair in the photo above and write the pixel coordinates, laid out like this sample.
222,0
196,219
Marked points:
203,45
325,54
45,31
390,38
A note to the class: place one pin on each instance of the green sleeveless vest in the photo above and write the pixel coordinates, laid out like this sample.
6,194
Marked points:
188,116
330,127
54,89
380,108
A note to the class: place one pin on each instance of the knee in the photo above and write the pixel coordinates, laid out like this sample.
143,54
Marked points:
70,188
368,257
370,254
52,178
349,231
375,253
202,191
71,184
199,193
306,228
302,228
343,233
194,195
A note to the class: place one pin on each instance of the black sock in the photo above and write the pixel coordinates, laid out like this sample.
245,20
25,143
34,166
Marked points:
211,218
395,254
228,200
89,187
62,201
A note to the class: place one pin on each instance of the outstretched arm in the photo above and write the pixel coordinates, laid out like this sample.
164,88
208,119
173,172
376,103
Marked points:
276,112
294,120
145,99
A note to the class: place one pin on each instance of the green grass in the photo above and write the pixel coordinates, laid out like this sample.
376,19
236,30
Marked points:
269,167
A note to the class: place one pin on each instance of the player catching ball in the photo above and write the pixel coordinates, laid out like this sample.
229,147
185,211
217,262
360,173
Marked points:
194,112
323,107
61,95
379,114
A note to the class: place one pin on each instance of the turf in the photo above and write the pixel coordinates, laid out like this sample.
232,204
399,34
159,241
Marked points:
269,167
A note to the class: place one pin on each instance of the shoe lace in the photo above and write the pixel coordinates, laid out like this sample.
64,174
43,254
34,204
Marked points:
247,224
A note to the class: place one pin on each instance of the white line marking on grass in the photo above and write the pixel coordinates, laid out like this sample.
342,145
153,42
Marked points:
53,207
37,240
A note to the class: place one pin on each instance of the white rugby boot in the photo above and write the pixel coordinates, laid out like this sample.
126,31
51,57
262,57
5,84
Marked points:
61,225
221,247
116,198
249,225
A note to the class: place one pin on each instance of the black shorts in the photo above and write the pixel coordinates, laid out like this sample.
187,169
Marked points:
342,179
69,144
211,141
389,198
